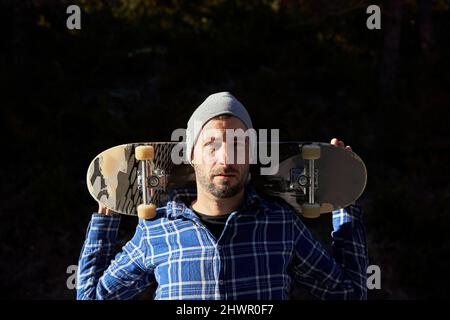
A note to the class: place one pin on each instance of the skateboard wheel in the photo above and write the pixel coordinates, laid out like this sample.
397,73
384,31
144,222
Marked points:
311,152
144,153
311,210
146,211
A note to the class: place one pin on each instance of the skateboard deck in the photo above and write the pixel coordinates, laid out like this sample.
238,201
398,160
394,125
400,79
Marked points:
337,178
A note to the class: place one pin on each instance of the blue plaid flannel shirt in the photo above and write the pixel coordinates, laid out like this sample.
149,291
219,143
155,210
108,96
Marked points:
263,248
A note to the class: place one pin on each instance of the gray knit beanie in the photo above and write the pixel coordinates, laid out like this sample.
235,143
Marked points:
215,105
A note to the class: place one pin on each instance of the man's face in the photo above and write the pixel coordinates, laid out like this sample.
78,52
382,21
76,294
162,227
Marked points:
217,172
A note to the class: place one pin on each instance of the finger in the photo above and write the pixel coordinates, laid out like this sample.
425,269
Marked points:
104,210
341,144
334,141
348,148
110,212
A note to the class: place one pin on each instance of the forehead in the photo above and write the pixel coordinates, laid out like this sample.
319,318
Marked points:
224,122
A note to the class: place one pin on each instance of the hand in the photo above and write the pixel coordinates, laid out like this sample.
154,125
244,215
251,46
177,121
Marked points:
104,210
337,142
340,144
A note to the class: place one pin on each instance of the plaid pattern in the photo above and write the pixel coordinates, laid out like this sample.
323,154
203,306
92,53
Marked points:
263,248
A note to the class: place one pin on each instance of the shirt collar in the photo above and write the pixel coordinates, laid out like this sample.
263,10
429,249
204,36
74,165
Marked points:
180,201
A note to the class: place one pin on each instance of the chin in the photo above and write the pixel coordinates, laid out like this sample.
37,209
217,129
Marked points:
225,191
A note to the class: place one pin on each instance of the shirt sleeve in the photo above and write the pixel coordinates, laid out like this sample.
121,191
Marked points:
341,275
102,277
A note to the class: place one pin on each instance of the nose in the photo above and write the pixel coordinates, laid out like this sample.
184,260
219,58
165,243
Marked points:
222,154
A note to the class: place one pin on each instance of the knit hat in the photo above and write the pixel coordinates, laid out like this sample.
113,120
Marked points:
215,105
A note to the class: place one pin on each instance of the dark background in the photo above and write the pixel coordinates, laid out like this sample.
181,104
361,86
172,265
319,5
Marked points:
308,67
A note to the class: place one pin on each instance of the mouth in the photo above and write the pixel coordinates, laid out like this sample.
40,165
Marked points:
225,175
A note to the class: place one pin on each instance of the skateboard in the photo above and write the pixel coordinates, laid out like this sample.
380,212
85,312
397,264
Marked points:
312,177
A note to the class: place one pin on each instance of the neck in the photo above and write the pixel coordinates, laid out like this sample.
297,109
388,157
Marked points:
210,205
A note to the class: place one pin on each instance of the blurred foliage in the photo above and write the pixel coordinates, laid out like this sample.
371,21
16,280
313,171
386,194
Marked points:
137,69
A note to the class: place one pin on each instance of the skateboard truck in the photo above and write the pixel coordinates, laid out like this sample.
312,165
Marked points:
300,179
308,181
156,181
148,181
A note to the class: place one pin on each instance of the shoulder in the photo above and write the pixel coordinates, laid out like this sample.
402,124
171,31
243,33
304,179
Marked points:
277,206
161,216
270,204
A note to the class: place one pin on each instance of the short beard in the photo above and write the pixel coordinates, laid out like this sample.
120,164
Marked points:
221,191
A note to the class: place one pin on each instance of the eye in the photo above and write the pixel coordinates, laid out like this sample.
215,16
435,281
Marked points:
209,142
212,145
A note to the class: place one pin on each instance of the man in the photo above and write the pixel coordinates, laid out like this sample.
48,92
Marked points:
223,241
